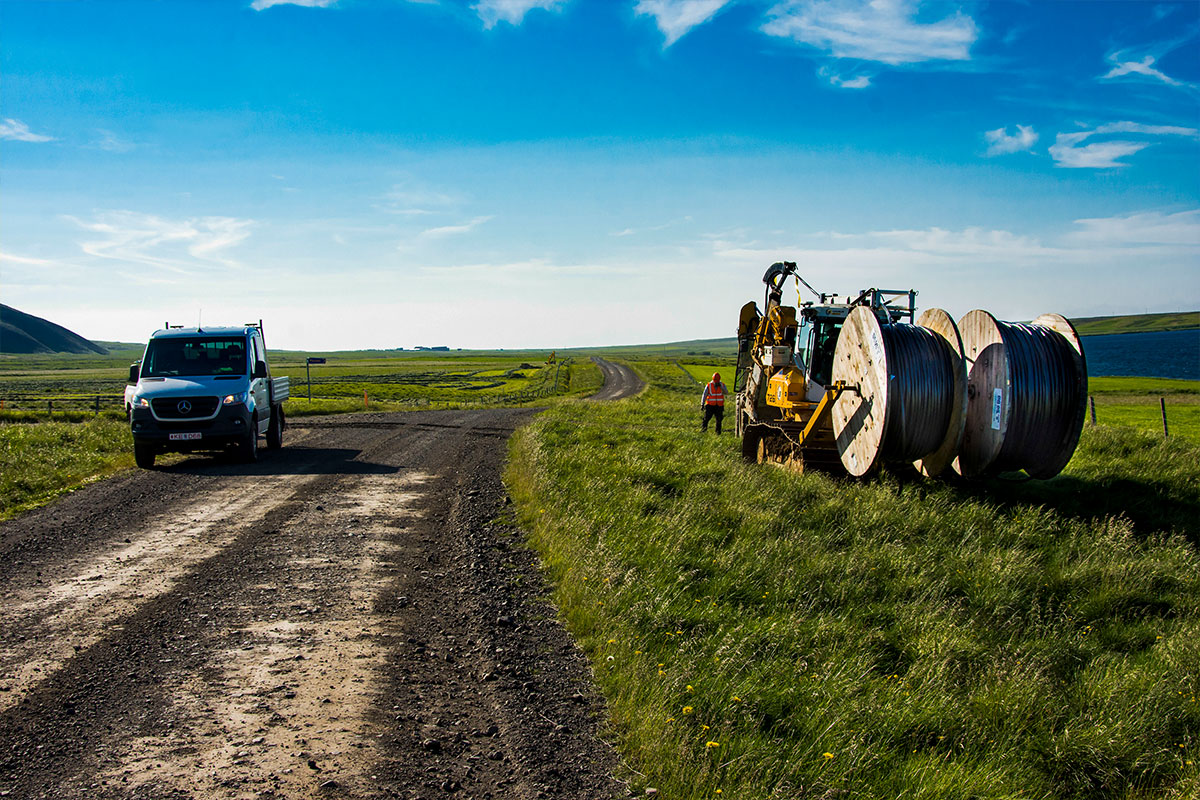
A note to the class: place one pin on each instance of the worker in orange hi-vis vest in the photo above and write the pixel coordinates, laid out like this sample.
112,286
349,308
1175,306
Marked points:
712,402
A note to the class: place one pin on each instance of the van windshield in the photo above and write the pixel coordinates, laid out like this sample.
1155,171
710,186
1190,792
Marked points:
179,356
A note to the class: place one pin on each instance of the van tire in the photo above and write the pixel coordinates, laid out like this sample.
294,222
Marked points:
144,454
275,429
249,445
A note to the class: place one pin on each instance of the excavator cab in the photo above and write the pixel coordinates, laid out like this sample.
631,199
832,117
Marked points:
818,337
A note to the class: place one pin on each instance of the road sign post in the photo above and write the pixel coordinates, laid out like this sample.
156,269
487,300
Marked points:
308,362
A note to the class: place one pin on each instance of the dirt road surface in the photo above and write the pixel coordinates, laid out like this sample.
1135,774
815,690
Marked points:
619,381
352,617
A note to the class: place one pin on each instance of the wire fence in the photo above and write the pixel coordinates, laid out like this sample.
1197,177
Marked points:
74,404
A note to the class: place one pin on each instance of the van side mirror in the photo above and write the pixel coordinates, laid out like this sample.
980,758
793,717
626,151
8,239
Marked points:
260,369
135,371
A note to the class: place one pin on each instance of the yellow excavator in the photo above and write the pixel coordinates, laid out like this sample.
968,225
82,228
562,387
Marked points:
784,384
849,383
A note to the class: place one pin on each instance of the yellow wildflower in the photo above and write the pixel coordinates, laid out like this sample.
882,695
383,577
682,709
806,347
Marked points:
687,709
829,755
711,745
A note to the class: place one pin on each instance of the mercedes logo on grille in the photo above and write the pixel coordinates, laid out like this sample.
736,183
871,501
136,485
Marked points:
184,406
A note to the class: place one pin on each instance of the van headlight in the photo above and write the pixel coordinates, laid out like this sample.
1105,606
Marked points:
234,399
140,402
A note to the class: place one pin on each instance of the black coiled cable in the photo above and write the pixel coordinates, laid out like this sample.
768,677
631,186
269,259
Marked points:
920,391
1048,396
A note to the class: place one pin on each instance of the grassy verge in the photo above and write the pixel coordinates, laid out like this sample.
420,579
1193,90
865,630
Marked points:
40,461
764,634
1135,402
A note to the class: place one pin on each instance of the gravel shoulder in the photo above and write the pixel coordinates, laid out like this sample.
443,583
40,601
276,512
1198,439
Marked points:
354,616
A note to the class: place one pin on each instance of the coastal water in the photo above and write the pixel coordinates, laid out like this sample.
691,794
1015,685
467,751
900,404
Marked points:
1161,354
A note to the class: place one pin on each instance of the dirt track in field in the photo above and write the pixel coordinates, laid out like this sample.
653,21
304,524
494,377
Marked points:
352,617
619,381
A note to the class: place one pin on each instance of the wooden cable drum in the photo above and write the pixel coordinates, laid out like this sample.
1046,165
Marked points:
903,401
941,323
1026,395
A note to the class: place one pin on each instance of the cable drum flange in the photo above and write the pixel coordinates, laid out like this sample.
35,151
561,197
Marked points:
902,403
941,323
1026,395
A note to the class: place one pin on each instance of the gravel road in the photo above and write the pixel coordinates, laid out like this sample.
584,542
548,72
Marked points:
619,381
354,616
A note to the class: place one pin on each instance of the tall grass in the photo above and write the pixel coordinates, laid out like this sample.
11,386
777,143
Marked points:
40,461
764,634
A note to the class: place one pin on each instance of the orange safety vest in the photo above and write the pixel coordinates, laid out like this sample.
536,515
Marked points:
716,395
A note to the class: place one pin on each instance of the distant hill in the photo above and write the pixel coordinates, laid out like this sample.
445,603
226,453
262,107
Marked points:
1137,323
25,333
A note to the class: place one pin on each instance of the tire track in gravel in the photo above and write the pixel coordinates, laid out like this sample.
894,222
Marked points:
351,617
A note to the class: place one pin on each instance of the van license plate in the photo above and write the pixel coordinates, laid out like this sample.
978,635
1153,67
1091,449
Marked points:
184,437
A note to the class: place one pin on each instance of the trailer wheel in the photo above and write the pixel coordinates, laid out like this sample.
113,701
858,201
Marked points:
275,429
143,454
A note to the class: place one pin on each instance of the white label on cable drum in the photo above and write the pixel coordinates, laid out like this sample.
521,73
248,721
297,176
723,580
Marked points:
997,408
876,347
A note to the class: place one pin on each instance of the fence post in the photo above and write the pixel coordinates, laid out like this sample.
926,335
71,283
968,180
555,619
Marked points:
1162,402
50,407
97,405
1092,400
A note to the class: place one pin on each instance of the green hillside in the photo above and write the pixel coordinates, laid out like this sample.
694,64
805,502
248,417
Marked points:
1138,323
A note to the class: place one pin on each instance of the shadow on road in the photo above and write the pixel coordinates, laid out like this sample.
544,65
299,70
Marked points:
288,461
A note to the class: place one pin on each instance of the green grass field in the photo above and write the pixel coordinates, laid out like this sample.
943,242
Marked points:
764,634
391,379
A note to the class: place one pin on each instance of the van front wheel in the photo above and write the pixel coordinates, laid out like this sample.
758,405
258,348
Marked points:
143,454
249,445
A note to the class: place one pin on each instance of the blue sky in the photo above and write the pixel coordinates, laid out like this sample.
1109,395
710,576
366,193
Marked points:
552,173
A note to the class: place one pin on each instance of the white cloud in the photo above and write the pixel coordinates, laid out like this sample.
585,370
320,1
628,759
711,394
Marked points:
18,131
677,17
1144,68
835,79
537,269
454,230
174,245
25,261
885,31
1000,142
1077,270
1153,228
411,198
259,5
510,11
112,143
1070,151
651,228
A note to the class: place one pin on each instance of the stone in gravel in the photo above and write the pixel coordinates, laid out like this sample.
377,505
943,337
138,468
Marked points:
432,745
